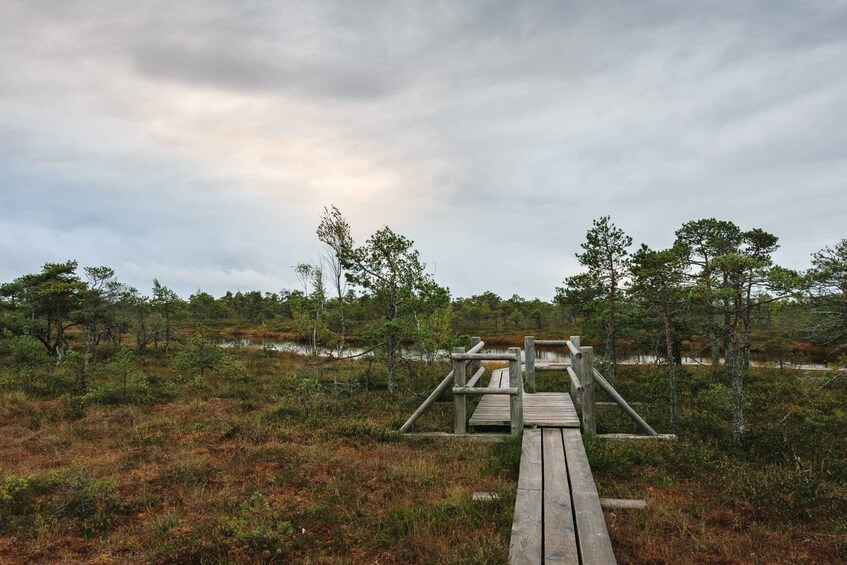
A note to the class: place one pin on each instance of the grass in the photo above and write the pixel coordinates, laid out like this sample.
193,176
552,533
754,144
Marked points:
271,467
267,463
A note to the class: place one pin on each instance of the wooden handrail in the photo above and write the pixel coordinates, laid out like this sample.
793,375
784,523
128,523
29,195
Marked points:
484,357
574,349
574,380
475,378
484,390
439,390
604,384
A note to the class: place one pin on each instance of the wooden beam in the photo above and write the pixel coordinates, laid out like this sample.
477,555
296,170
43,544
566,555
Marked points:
586,376
484,390
516,401
459,401
529,353
525,546
575,384
604,384
482,438
559,529
574,348
475,377
551,341
668,437
436,394
594,543
482,356
621,503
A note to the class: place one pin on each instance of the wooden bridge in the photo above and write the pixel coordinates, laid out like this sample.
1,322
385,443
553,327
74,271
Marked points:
558,516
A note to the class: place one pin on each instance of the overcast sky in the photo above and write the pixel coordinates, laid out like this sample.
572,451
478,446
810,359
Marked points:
198,142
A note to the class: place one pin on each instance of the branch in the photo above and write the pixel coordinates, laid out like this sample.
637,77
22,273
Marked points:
332,359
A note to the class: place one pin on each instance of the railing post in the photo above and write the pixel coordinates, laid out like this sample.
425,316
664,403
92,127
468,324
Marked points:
586,377
529,348
475,365
577,368
459,400
516,400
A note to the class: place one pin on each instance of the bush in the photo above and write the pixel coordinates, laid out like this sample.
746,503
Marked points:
93,503
259,526
17,502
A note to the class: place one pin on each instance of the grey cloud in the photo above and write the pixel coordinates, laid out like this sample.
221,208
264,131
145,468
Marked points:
198,142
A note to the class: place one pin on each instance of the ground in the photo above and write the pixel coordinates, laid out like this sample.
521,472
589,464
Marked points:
277,464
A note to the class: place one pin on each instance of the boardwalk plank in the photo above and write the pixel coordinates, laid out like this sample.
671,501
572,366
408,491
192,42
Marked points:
594,543
525,545
540,409
559,534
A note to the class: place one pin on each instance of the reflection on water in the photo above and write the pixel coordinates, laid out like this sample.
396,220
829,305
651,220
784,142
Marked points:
543,355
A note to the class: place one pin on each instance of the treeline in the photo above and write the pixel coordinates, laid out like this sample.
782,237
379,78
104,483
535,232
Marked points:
716,289
717,285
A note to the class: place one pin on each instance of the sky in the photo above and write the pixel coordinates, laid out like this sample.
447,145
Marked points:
198,142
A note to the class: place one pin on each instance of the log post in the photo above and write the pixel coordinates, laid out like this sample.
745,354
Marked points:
459,400
577,368
586,376
475,365
529,349
516,400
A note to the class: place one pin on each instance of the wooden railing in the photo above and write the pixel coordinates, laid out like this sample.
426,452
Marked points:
462,388
582,375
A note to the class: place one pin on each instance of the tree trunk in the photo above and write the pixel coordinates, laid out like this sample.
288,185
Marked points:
671,368
738,373
391,357
714,347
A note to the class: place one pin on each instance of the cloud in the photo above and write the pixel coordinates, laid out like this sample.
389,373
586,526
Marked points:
198,142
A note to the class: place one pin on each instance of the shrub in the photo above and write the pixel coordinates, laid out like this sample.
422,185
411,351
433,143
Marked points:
17,501
258,525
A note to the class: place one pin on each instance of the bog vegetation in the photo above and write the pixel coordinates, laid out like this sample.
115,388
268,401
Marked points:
129,434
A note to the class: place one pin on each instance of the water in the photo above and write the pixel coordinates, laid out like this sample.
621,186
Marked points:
542,354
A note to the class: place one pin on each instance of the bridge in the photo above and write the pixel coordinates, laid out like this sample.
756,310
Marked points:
558,516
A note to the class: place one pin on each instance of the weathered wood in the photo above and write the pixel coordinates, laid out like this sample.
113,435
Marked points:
497,378
621,503
525,546
551,342
475,365
529,475
436,394
477,345
668,437
476,376
574,346
559,533
529,353
516,401
604,384
540,409
586,377
482,438
552,367
459,400
576,366
576,386
484,356
598,403
592,534
484,390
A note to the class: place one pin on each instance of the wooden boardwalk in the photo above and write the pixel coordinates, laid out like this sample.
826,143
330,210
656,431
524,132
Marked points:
554,409
558,518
